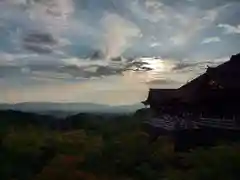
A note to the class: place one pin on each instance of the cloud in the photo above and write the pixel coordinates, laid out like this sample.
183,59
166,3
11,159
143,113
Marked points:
177,28
53,14
38,48
9,71
101,68
211,40
40,42
162,81
191,25
32,24
137,66
182,66
51,42
71,68
198,66
118,34
40,38
89,71
202,4
228,29
139,27
156,44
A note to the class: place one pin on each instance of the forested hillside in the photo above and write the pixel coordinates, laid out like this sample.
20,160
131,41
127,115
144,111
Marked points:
98,147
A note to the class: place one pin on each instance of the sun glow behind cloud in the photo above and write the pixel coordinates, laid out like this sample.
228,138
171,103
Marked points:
158,64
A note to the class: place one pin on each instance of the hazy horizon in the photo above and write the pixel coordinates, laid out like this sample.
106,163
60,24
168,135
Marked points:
71,103
63,50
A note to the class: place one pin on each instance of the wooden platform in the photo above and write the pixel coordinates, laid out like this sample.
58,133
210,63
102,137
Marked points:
175,123
171,123
187,139
229,124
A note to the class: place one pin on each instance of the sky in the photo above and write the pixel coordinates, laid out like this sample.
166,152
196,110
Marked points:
68,50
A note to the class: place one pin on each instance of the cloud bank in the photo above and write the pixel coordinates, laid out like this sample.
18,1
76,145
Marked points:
47,43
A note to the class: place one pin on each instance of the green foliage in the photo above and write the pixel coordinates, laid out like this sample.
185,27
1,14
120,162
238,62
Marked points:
103,149
24,141
221,162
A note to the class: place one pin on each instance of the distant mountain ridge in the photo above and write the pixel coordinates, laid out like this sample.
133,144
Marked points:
69,107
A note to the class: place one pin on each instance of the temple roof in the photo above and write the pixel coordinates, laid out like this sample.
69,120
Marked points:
228,73
161,95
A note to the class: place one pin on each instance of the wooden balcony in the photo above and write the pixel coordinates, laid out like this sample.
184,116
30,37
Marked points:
171,123
230,124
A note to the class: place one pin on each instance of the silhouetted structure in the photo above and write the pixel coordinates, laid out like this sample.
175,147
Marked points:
211,100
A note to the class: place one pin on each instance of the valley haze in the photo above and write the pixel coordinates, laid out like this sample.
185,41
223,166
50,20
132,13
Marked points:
63,109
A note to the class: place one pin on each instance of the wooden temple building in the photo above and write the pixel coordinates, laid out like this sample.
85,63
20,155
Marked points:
211,101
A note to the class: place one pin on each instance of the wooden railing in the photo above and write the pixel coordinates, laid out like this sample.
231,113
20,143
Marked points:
171,122
218,123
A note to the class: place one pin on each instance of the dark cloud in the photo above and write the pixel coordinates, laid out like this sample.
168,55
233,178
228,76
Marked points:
54,69
97,55
138,66
40,38
39,42
104,70
82,72
89,71
101,71
117,59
